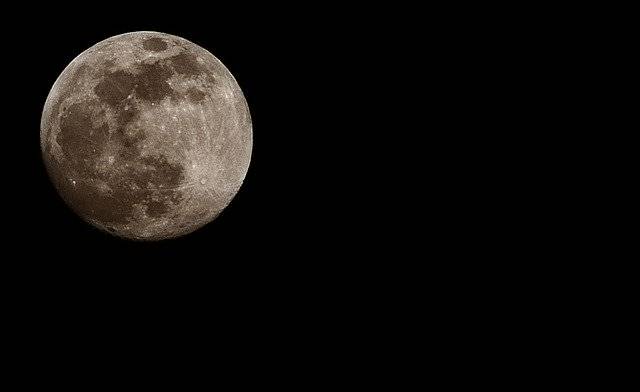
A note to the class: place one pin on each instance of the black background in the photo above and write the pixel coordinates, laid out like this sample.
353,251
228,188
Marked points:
300,258
304,262
301,239
295,218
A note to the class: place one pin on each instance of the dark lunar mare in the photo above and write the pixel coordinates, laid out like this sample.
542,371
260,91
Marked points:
132,179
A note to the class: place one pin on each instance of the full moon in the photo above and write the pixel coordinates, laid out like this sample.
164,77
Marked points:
146,135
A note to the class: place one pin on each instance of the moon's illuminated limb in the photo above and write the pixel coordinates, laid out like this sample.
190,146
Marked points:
146,135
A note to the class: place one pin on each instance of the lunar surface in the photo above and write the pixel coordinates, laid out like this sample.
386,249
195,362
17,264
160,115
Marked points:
146,135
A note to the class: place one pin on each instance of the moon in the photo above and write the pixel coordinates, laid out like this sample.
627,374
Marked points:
146,135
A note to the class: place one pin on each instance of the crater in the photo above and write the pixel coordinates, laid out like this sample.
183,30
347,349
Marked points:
108,64
127,135
195,95
154,44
